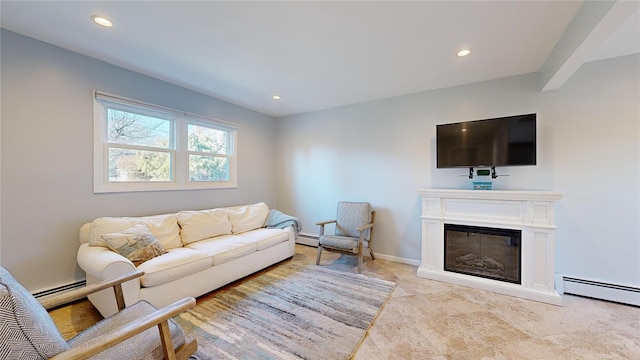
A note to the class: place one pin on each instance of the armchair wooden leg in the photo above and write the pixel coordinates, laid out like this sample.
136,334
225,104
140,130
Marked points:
360,255
186,350
167,342
373,256
318,255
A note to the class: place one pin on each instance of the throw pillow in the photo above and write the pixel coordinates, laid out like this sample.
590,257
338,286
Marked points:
137,244
163,227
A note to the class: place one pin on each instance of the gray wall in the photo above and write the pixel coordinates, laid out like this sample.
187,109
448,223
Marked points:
46,154
383,151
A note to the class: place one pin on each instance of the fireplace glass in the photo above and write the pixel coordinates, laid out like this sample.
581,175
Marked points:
484,252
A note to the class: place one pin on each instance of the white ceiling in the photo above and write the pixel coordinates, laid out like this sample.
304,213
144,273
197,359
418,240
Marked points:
316,55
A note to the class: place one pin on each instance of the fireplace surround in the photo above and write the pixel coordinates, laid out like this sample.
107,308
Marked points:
529,214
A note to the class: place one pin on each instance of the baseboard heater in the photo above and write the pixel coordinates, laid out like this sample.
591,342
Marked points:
60,289
600,290
306,239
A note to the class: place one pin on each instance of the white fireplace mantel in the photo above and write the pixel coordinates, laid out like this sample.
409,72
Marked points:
531,212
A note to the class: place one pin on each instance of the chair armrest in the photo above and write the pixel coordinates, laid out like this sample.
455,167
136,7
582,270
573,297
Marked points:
326,222
102,343
53,301
322,224
364,227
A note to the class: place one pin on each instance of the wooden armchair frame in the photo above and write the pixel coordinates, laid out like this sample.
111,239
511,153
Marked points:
361,229
159,318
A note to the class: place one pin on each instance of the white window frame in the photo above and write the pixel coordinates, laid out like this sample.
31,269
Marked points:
177,148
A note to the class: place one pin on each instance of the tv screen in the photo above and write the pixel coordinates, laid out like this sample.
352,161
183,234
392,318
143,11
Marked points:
506,141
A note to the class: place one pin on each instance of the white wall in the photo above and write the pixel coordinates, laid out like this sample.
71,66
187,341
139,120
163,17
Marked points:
383,151
46,148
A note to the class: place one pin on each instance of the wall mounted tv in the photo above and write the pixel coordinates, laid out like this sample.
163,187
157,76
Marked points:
505,141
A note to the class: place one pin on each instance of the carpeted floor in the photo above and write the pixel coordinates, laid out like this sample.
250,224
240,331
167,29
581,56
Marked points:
291,311
426,319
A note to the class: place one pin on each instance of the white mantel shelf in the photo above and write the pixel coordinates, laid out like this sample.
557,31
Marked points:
492,194
531,212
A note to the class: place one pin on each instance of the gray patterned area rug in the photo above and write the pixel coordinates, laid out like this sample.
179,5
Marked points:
291,311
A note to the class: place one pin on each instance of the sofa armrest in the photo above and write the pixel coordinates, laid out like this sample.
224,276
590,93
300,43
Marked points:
99,262
103,264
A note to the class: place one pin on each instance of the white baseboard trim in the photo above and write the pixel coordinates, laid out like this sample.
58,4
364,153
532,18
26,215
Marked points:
600,290
398,259
311,240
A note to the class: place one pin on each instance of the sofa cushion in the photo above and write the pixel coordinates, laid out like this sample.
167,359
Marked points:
163,227
204,224
248,217
266,238
340,242
136,244
225,248
175,264
27,329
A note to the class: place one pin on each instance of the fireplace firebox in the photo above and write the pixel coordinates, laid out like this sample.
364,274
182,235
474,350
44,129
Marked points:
481,251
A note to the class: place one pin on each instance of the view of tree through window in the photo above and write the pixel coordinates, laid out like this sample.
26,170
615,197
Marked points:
207,149
144,154
140,146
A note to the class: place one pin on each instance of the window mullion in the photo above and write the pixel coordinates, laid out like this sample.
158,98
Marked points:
181,157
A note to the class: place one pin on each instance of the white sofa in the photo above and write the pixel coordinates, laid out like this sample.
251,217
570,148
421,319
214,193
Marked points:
205,250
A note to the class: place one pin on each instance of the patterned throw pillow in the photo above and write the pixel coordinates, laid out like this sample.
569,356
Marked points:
136,244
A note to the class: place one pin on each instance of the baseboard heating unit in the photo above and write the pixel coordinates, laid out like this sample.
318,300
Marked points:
59,289
306,239
600,290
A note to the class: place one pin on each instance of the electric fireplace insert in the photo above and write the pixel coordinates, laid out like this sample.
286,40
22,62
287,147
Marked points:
481,251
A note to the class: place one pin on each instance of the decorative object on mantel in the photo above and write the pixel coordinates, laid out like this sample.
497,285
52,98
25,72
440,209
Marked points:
530,212
482,185
288,312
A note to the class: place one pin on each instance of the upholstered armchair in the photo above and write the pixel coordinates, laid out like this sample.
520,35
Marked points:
353,231
139,331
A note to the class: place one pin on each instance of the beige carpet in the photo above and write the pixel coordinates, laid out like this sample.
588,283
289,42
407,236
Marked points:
427,319
291,311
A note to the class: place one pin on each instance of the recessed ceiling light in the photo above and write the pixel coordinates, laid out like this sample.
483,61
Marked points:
464,52
276,97
101,20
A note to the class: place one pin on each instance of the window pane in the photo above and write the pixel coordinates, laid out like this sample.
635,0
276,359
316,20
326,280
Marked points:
208,168
139,165
207,140
135,129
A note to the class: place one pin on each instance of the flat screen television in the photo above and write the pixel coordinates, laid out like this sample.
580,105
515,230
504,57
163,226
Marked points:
505,141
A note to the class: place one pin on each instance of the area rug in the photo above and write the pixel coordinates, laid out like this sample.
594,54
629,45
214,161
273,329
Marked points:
291,311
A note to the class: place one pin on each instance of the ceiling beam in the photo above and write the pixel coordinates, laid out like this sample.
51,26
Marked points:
594,23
